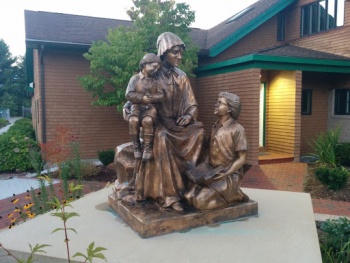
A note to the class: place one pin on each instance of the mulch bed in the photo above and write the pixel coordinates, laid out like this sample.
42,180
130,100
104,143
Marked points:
105,174
318,190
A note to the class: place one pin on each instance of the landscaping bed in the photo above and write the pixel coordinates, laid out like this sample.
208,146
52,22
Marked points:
320,191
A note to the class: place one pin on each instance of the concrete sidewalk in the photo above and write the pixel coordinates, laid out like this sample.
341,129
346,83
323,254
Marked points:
12,121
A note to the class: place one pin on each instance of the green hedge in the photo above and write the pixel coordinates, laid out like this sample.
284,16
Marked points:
3,123
22,127
15,145
14,151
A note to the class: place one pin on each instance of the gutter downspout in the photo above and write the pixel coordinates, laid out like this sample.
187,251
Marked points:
42,93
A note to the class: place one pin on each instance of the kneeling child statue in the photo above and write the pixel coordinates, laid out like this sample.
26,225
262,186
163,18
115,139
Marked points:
217,181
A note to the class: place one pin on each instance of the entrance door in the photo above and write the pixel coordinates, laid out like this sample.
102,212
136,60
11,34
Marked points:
262,115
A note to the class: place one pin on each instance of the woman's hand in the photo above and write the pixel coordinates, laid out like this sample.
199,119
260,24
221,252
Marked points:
184,120
126,113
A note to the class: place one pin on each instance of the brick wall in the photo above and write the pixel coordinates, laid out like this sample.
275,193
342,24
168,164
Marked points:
69,105
341,81
246,84
315,123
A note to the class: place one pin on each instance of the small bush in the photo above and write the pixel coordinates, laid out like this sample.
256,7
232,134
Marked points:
22,127
89,169
86,169
106,157
3,122
335,243
333,178
36,160
14,150
343,154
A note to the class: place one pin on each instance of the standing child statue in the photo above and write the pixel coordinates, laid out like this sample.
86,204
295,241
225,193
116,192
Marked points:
144,91
217,180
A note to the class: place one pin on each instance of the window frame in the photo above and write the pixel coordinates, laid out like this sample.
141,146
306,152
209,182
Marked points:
281,27
342,99
306,94
313,20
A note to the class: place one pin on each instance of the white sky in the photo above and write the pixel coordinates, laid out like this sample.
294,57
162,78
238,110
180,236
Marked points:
208,14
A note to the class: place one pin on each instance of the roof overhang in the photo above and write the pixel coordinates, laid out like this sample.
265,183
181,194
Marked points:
249,27
35,43
274,63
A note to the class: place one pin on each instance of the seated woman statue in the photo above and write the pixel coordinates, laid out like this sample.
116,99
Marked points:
178,137
217,180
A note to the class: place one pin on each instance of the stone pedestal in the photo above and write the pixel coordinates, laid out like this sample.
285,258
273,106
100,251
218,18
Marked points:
148,220
284,231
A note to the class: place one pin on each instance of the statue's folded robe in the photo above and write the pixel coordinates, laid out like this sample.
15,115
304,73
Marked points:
203,172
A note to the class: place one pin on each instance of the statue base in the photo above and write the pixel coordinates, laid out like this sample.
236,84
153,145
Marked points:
148,220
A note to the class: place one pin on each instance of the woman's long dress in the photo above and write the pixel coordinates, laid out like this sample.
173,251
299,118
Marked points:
175,147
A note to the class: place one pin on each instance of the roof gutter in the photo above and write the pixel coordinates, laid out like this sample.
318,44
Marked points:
274,63
39,41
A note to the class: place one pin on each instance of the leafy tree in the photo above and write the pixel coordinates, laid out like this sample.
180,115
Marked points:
13,94
114,61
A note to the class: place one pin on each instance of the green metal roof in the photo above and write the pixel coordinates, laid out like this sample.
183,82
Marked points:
274,63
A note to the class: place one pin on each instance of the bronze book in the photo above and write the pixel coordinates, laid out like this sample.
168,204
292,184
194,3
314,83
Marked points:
203,172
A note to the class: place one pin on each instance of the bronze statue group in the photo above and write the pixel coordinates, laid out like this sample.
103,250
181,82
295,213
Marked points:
162,109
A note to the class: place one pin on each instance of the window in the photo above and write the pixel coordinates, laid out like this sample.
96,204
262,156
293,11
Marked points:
239,14
281,26
321,15
342,102
306,102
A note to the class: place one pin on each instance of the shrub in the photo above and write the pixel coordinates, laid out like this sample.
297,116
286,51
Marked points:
89,169
333,178
86,169
22,127
343,154
325,146
15,144
335,243
14,150
3,122
36,160
106,157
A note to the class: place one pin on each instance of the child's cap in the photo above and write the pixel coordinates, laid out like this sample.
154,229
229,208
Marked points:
149,58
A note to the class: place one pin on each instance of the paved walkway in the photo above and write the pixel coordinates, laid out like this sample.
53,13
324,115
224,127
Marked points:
290,177
12,120
283,177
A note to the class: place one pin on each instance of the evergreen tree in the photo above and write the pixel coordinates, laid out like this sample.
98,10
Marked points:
13,94
114,61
